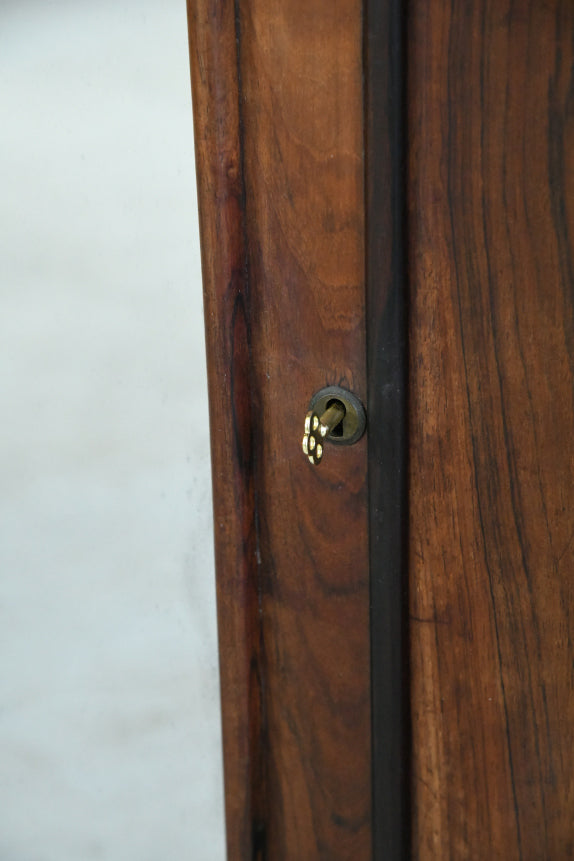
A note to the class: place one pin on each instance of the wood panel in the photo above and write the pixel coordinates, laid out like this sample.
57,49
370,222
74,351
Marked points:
302,119
279,138
491,241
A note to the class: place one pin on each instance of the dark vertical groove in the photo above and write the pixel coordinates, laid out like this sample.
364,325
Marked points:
387,374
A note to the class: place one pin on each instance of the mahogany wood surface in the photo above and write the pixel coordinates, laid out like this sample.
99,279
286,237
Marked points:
491,254
227,309
278,108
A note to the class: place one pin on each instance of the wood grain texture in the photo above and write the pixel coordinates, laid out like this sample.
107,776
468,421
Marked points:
301,72
279,138
227,307
491,250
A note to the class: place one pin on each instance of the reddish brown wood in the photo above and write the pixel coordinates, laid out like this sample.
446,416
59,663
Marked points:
491,226
213,55
279,136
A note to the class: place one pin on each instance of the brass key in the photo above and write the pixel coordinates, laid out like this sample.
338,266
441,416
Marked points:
318,428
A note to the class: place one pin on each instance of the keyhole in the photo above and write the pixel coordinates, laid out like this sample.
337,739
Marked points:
338,429
350,428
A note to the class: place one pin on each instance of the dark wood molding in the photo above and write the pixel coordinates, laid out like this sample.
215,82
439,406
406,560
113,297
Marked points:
386,292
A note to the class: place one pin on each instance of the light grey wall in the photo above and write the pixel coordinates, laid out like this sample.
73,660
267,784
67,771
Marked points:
109,704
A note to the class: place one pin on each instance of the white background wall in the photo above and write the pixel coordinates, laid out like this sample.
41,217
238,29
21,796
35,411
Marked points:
109,704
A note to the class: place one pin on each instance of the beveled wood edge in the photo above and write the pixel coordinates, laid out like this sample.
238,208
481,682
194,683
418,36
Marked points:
214,42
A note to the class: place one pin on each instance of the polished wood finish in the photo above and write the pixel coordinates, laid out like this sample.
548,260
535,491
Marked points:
227,307
304,245
491,250
279,137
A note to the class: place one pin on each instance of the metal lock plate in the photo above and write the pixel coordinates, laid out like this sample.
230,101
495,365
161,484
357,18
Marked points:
352,426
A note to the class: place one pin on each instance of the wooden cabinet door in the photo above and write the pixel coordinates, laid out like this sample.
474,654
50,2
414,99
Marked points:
386,204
